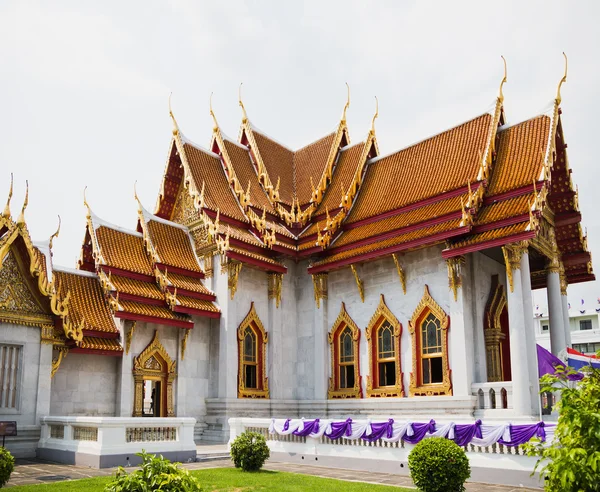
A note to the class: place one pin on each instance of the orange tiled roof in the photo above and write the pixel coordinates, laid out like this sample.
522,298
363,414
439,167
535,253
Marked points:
505,209
173,245
520,156
107,344
188,283
441,163
405,219
239,233
279,162
246,173
310,161
490,235
125,251
206,167
255,256
201,305
151,310
343,173
394,241
86,301
134,287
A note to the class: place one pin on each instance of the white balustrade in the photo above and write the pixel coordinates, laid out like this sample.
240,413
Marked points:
493,396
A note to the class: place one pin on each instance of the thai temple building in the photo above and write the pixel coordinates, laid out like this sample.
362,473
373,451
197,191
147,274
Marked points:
329,281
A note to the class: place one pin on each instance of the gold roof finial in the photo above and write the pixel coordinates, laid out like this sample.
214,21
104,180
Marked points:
175,125
500,94
86,205
56,233
245,117
135,195
375,115
564,79
347,104
6,213
212,113
21,219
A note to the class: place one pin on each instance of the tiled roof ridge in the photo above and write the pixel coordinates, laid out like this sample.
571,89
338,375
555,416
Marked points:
199,147
74,271
97,222
149,216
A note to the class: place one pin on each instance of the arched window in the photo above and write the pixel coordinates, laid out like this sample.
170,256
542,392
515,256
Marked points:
345,374
383,339
252,345
429,334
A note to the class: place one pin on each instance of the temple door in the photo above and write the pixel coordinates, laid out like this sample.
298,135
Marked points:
495,326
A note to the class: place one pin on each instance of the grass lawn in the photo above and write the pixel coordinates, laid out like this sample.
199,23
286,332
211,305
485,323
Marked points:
230,479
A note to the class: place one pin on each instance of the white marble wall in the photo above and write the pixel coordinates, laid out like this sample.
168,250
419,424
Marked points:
28,338
85,385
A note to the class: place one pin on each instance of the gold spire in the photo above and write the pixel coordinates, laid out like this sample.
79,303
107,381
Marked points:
375,115
212,113
500,94
21,219
6,213
56,233
245,117
175,126
135,195
347,104
86,205
564,79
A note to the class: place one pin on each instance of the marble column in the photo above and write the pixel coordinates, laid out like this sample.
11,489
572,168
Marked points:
228,356
275,348
125,367
42,408
521,394
321,343
556,321
534,383
461,334
565,306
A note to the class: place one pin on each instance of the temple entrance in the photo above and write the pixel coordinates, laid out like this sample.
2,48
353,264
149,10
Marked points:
153,375
497,337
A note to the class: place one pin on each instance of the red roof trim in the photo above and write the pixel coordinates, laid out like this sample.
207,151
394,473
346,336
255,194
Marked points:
124,296
191,293
100,334
471,248
154,319
575,258
507,195
567,218
225,218
196,312
264,265
390,249
126,273
500,223
113,353
182,271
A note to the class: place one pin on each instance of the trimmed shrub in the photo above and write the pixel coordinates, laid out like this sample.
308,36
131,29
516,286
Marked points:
249,451
438,464
156,473
7,465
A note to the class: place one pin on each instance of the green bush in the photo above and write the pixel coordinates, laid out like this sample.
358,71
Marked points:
7,465
155,474
438,464
571,462
249,451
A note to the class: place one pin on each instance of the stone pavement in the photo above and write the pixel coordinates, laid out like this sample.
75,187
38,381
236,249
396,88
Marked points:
35,472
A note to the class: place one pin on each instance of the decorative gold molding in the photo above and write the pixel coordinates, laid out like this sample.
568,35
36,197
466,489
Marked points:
233,273
381,315
154,363
184,343
455,274
208,265
253,321
62,353
129,337
275,280
493,330
320,287
359,283
340,323
564,283
401,273
512,259
417,388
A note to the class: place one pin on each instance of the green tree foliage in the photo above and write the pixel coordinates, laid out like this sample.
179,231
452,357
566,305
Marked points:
438,464
156,473
7,465
249,451
571,462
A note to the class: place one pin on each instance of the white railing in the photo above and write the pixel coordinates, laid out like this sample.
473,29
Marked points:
493,396
66,438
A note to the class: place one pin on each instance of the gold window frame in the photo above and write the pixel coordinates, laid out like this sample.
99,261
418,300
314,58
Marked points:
417,388
140,372
381,315
344,320
253,322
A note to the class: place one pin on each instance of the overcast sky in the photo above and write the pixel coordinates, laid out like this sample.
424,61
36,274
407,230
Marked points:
84,87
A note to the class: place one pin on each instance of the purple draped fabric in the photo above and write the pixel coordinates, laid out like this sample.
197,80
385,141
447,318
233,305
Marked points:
548,362
286,426
379,430
339,429
463,433
520,434
419,431
310,426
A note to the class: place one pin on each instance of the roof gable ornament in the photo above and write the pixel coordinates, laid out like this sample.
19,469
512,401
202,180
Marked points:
175,125
212,113
6,213
347,104
500,94
245,116
21,219
375,116
564,79
55,235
